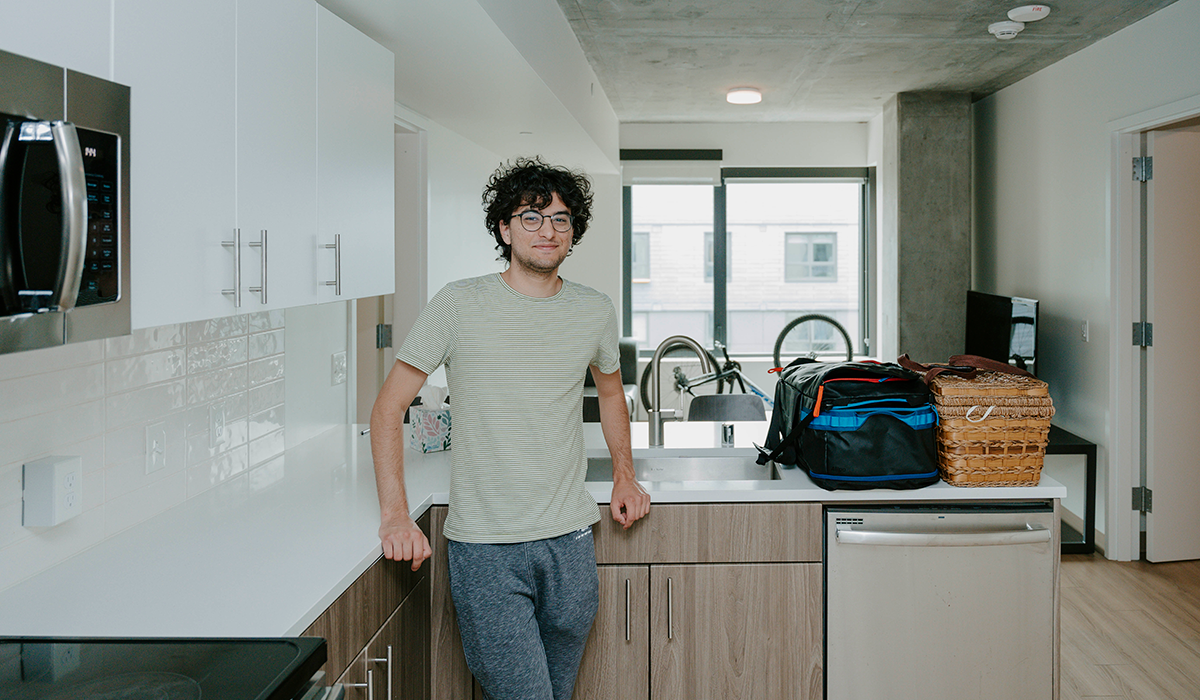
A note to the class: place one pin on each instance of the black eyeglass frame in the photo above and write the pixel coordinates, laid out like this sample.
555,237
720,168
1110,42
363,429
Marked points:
570,222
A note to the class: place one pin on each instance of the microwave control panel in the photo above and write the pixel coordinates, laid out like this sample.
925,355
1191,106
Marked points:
101,280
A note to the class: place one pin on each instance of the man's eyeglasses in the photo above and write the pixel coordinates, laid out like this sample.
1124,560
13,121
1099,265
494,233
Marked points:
532,221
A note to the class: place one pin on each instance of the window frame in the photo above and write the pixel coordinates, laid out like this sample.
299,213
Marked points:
868,282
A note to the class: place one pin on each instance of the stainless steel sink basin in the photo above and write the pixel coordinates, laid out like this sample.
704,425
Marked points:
706,468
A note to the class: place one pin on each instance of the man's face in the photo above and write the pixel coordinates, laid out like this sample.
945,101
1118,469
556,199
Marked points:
543,250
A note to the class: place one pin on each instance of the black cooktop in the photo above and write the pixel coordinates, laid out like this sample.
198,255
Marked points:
162,668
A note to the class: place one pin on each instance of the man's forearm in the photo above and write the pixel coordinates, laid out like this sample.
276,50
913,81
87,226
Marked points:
387,449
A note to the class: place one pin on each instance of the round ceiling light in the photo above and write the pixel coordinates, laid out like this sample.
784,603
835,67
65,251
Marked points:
1006,30
743,96
1028,13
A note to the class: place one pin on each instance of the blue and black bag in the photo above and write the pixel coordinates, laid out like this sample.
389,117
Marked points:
854,425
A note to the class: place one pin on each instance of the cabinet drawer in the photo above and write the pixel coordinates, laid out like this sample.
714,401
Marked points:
713,533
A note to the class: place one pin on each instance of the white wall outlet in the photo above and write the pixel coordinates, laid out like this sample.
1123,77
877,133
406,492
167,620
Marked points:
48,662
156,446
338,369
53,491
216,425
1084,331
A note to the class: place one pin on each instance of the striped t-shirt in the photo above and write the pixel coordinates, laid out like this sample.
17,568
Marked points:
515,367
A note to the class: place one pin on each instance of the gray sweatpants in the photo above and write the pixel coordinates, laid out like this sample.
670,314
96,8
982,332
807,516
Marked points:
525,611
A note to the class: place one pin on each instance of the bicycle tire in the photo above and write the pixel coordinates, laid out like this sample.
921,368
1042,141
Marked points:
811,317
644,384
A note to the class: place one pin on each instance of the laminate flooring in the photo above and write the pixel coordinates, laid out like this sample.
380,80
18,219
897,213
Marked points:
1130,629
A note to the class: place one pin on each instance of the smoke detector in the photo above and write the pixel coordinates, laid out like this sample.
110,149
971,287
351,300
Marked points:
1006,30
1028,13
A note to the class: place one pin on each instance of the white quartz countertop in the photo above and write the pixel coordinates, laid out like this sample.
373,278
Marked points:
264,554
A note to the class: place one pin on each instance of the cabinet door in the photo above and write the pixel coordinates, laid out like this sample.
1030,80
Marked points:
72,34
355,679
276,149
616,663
355,161
736,631
399,654
179,60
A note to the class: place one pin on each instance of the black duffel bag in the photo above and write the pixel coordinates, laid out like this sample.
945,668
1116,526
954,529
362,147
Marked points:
854,425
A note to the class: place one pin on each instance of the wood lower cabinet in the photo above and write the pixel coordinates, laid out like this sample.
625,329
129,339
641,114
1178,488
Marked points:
697,601
387,606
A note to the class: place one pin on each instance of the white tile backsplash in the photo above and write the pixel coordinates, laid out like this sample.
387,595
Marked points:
96,400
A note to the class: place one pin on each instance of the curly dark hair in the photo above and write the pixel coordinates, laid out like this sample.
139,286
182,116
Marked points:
532,182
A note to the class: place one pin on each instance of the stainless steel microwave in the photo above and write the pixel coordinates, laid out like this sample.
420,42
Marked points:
64,206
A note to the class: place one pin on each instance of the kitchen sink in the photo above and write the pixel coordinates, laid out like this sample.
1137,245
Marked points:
694,468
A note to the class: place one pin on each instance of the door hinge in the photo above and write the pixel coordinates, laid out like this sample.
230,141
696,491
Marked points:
1143,499
383,335
1143,169
1143,334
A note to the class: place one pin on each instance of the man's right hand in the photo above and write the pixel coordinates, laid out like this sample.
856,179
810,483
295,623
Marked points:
404,541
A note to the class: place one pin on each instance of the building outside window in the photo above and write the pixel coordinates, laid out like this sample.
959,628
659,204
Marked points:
793,246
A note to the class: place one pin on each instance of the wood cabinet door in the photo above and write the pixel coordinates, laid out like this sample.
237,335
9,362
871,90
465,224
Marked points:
616,663
727,631
355,678
355,162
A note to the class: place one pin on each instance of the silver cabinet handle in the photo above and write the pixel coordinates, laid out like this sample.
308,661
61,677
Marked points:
262,243
236,244
388,668
943,539
337,264
670,611
627,610
367,685
74,203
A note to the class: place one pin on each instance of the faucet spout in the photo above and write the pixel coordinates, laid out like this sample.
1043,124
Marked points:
656,412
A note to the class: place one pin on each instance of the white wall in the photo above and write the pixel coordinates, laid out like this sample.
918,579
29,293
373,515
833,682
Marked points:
1043,154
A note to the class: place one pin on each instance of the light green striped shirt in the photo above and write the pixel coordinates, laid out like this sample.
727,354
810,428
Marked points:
515,367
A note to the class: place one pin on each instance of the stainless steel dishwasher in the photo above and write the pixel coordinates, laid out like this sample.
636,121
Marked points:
955,603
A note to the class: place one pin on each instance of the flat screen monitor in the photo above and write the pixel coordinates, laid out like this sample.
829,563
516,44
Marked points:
1003,328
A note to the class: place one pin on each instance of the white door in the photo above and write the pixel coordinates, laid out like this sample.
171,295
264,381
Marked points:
1173,387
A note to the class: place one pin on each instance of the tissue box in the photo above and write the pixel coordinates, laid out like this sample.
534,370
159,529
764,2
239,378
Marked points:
429,428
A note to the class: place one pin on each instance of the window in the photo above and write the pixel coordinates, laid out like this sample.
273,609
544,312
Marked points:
639,253
810,257
797,237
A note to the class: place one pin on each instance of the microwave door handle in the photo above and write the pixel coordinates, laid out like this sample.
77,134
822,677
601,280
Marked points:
74,207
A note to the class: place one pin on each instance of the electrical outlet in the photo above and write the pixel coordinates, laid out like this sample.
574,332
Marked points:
53,491
338,368
216,425
48,662
156,447
1084,331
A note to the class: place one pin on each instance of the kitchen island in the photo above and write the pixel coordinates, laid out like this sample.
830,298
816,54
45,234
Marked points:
265,554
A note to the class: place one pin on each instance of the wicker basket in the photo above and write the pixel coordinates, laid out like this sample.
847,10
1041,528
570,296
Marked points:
993,428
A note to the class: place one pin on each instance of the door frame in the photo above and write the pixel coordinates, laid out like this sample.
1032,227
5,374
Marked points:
1123,525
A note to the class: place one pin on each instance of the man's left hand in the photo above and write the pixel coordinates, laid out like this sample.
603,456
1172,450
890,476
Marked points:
629,502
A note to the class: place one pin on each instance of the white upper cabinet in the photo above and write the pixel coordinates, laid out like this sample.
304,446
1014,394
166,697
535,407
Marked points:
276,150
355,161
73,34
252,116
179,60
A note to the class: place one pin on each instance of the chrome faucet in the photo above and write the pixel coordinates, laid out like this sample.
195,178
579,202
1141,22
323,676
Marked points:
656,412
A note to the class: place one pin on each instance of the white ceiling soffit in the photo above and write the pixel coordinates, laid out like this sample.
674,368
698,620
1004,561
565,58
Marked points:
818,60
456,67
671,172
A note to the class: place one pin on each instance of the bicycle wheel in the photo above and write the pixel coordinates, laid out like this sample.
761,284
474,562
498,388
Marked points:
818,337
678,363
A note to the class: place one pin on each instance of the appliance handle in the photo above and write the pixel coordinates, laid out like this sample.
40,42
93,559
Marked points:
74,206
1033,535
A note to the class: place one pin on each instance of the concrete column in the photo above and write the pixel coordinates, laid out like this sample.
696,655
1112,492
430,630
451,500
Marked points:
925,244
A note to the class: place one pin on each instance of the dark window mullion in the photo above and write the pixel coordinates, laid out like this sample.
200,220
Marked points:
720,255
627,263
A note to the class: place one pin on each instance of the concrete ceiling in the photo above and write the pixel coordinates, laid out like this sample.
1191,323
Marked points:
818,60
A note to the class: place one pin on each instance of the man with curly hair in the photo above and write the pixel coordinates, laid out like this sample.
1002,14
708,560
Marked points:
516,346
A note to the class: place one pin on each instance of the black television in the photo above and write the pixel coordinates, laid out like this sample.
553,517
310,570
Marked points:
1003,328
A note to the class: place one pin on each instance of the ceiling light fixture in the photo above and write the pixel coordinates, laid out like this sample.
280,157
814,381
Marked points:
1006,30
743,96
1028,13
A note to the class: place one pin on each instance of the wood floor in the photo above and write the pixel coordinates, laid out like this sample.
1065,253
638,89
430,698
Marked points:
1130,629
